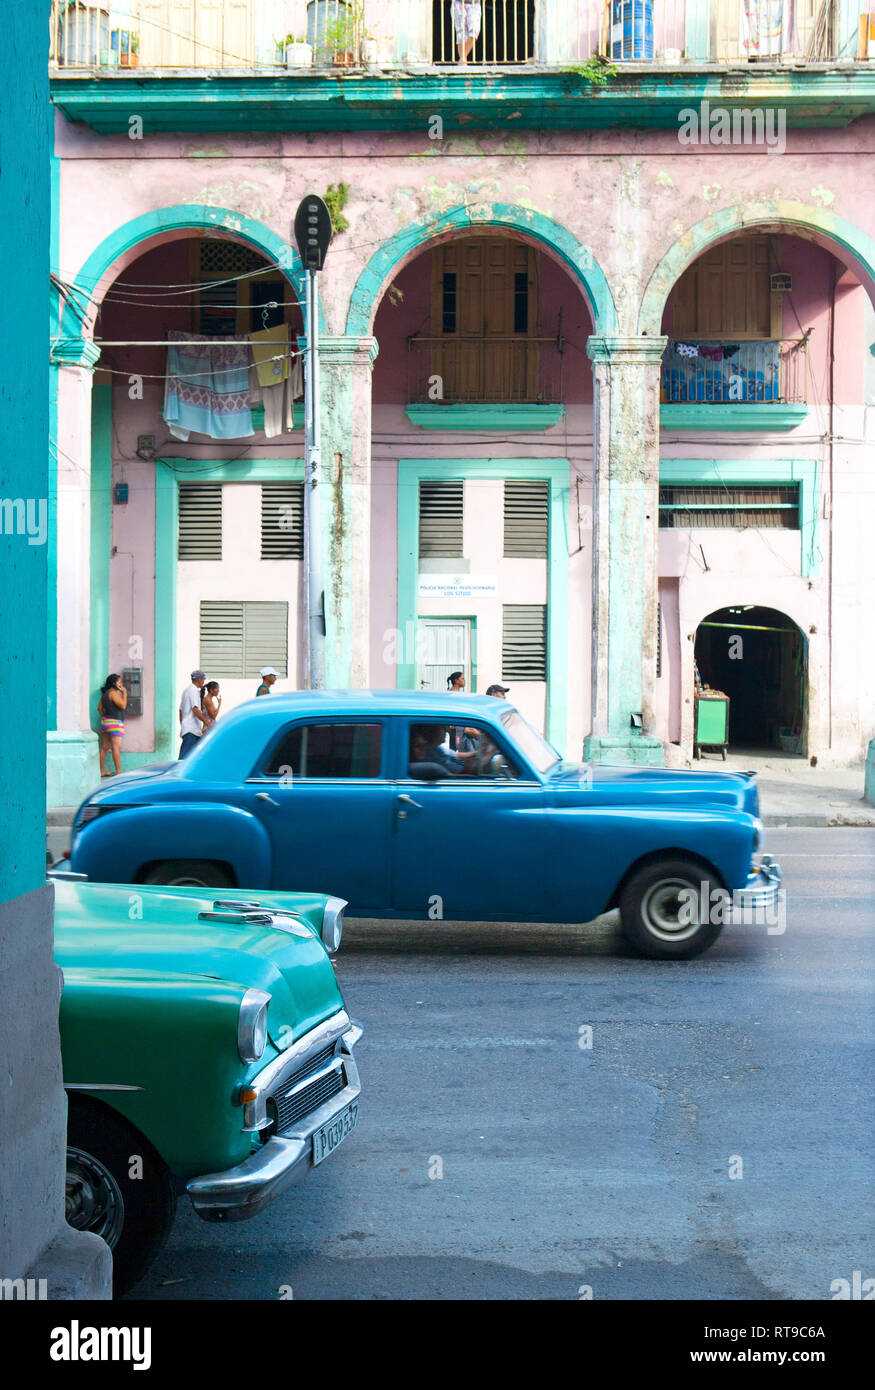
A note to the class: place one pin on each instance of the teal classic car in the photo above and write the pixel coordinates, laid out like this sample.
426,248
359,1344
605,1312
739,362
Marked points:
206,1048
360,791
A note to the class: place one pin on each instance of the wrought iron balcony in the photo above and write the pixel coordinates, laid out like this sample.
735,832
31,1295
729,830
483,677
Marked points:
702,371
295,35
480,368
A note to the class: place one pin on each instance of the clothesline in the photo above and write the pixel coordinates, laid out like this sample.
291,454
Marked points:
207,342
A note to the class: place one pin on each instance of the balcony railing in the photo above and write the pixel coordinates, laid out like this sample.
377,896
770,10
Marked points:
400,34
485,368
699,371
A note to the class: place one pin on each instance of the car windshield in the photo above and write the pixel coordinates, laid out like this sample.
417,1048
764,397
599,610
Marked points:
539,752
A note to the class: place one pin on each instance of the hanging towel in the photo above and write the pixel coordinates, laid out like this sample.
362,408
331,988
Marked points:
271,361
206,388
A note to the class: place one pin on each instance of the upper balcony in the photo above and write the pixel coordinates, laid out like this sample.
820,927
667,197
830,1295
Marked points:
275,64
272,35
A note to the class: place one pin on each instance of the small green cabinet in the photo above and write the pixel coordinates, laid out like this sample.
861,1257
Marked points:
712,724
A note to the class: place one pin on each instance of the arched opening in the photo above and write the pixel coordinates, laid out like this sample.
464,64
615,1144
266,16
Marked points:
482,363
756,657
196,479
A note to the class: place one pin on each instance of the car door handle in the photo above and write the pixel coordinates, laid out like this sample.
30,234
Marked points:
266,796
403,802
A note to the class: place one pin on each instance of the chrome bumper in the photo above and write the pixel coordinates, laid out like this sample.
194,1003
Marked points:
243,1191
762,888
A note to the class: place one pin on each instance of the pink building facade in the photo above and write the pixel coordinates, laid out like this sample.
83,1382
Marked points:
598,406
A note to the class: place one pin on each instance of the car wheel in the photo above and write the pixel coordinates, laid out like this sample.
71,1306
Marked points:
189,873
118,1187
666,909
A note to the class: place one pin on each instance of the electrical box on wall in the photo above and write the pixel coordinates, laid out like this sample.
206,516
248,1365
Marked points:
120,492
132,679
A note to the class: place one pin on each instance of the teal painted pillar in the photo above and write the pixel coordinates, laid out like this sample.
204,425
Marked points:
345,365
869,792
72,768
625,568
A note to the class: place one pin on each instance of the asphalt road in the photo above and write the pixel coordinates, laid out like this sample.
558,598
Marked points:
603,1167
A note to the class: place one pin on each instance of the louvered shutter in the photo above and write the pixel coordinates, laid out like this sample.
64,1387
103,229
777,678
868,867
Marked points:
441,512
524,642
525,518
282,521
237,639
266,637
221,644
200,521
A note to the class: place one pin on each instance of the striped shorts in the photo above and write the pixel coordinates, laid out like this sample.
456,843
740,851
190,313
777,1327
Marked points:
115,728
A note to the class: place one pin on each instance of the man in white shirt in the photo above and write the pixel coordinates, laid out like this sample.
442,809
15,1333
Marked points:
192,720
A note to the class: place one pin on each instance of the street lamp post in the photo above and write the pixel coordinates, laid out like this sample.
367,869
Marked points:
313,235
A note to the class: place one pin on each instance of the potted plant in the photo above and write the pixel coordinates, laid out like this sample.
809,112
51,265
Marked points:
341,32
129,49
294,52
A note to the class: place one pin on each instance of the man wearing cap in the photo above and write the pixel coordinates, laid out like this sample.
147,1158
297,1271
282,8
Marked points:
192,720
499,691
268,676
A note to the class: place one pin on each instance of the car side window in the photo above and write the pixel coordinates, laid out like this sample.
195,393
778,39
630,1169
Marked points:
326,751
478,754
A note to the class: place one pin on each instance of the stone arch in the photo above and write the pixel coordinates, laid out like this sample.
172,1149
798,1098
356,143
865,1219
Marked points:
404,245
151,229
852,245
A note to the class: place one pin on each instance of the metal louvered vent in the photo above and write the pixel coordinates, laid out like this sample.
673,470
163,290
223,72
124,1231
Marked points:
524,642
237,639
441,511
282,521
732,506
525,518
200,521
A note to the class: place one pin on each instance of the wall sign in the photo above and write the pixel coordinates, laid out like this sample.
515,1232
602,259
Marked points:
458,586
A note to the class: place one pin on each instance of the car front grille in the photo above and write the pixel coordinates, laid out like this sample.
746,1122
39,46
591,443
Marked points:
287,1110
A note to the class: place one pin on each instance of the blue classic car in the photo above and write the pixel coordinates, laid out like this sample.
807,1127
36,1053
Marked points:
358,793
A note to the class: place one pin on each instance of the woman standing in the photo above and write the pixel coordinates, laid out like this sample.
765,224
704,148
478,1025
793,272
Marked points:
211,703
111,709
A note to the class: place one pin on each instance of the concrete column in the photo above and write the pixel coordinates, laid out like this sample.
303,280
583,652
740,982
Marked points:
625,557
345,378
72,750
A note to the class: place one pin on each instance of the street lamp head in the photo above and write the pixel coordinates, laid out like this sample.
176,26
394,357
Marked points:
313,231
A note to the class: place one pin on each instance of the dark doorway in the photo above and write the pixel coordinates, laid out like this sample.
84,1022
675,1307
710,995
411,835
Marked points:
756,656
507,32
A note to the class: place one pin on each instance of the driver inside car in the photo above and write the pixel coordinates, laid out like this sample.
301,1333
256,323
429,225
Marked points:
426,751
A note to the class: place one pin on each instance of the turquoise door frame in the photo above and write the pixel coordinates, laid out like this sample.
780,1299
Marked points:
556,472
168,474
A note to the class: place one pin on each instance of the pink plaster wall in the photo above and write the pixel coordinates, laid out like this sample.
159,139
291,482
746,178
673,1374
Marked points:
628,196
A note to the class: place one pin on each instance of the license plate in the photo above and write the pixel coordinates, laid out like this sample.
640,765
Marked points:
332,1135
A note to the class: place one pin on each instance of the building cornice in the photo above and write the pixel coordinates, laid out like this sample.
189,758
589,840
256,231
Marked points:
813,95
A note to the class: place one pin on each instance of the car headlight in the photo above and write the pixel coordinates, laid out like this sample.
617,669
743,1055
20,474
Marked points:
252,1025
757,834
332,923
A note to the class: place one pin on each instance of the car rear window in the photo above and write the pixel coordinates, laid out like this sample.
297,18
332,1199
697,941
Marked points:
327,750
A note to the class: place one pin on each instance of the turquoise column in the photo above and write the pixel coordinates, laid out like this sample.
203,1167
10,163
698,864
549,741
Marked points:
345,365
625,568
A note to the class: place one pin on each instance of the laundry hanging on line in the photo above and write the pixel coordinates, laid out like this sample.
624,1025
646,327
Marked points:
210,388
206,389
